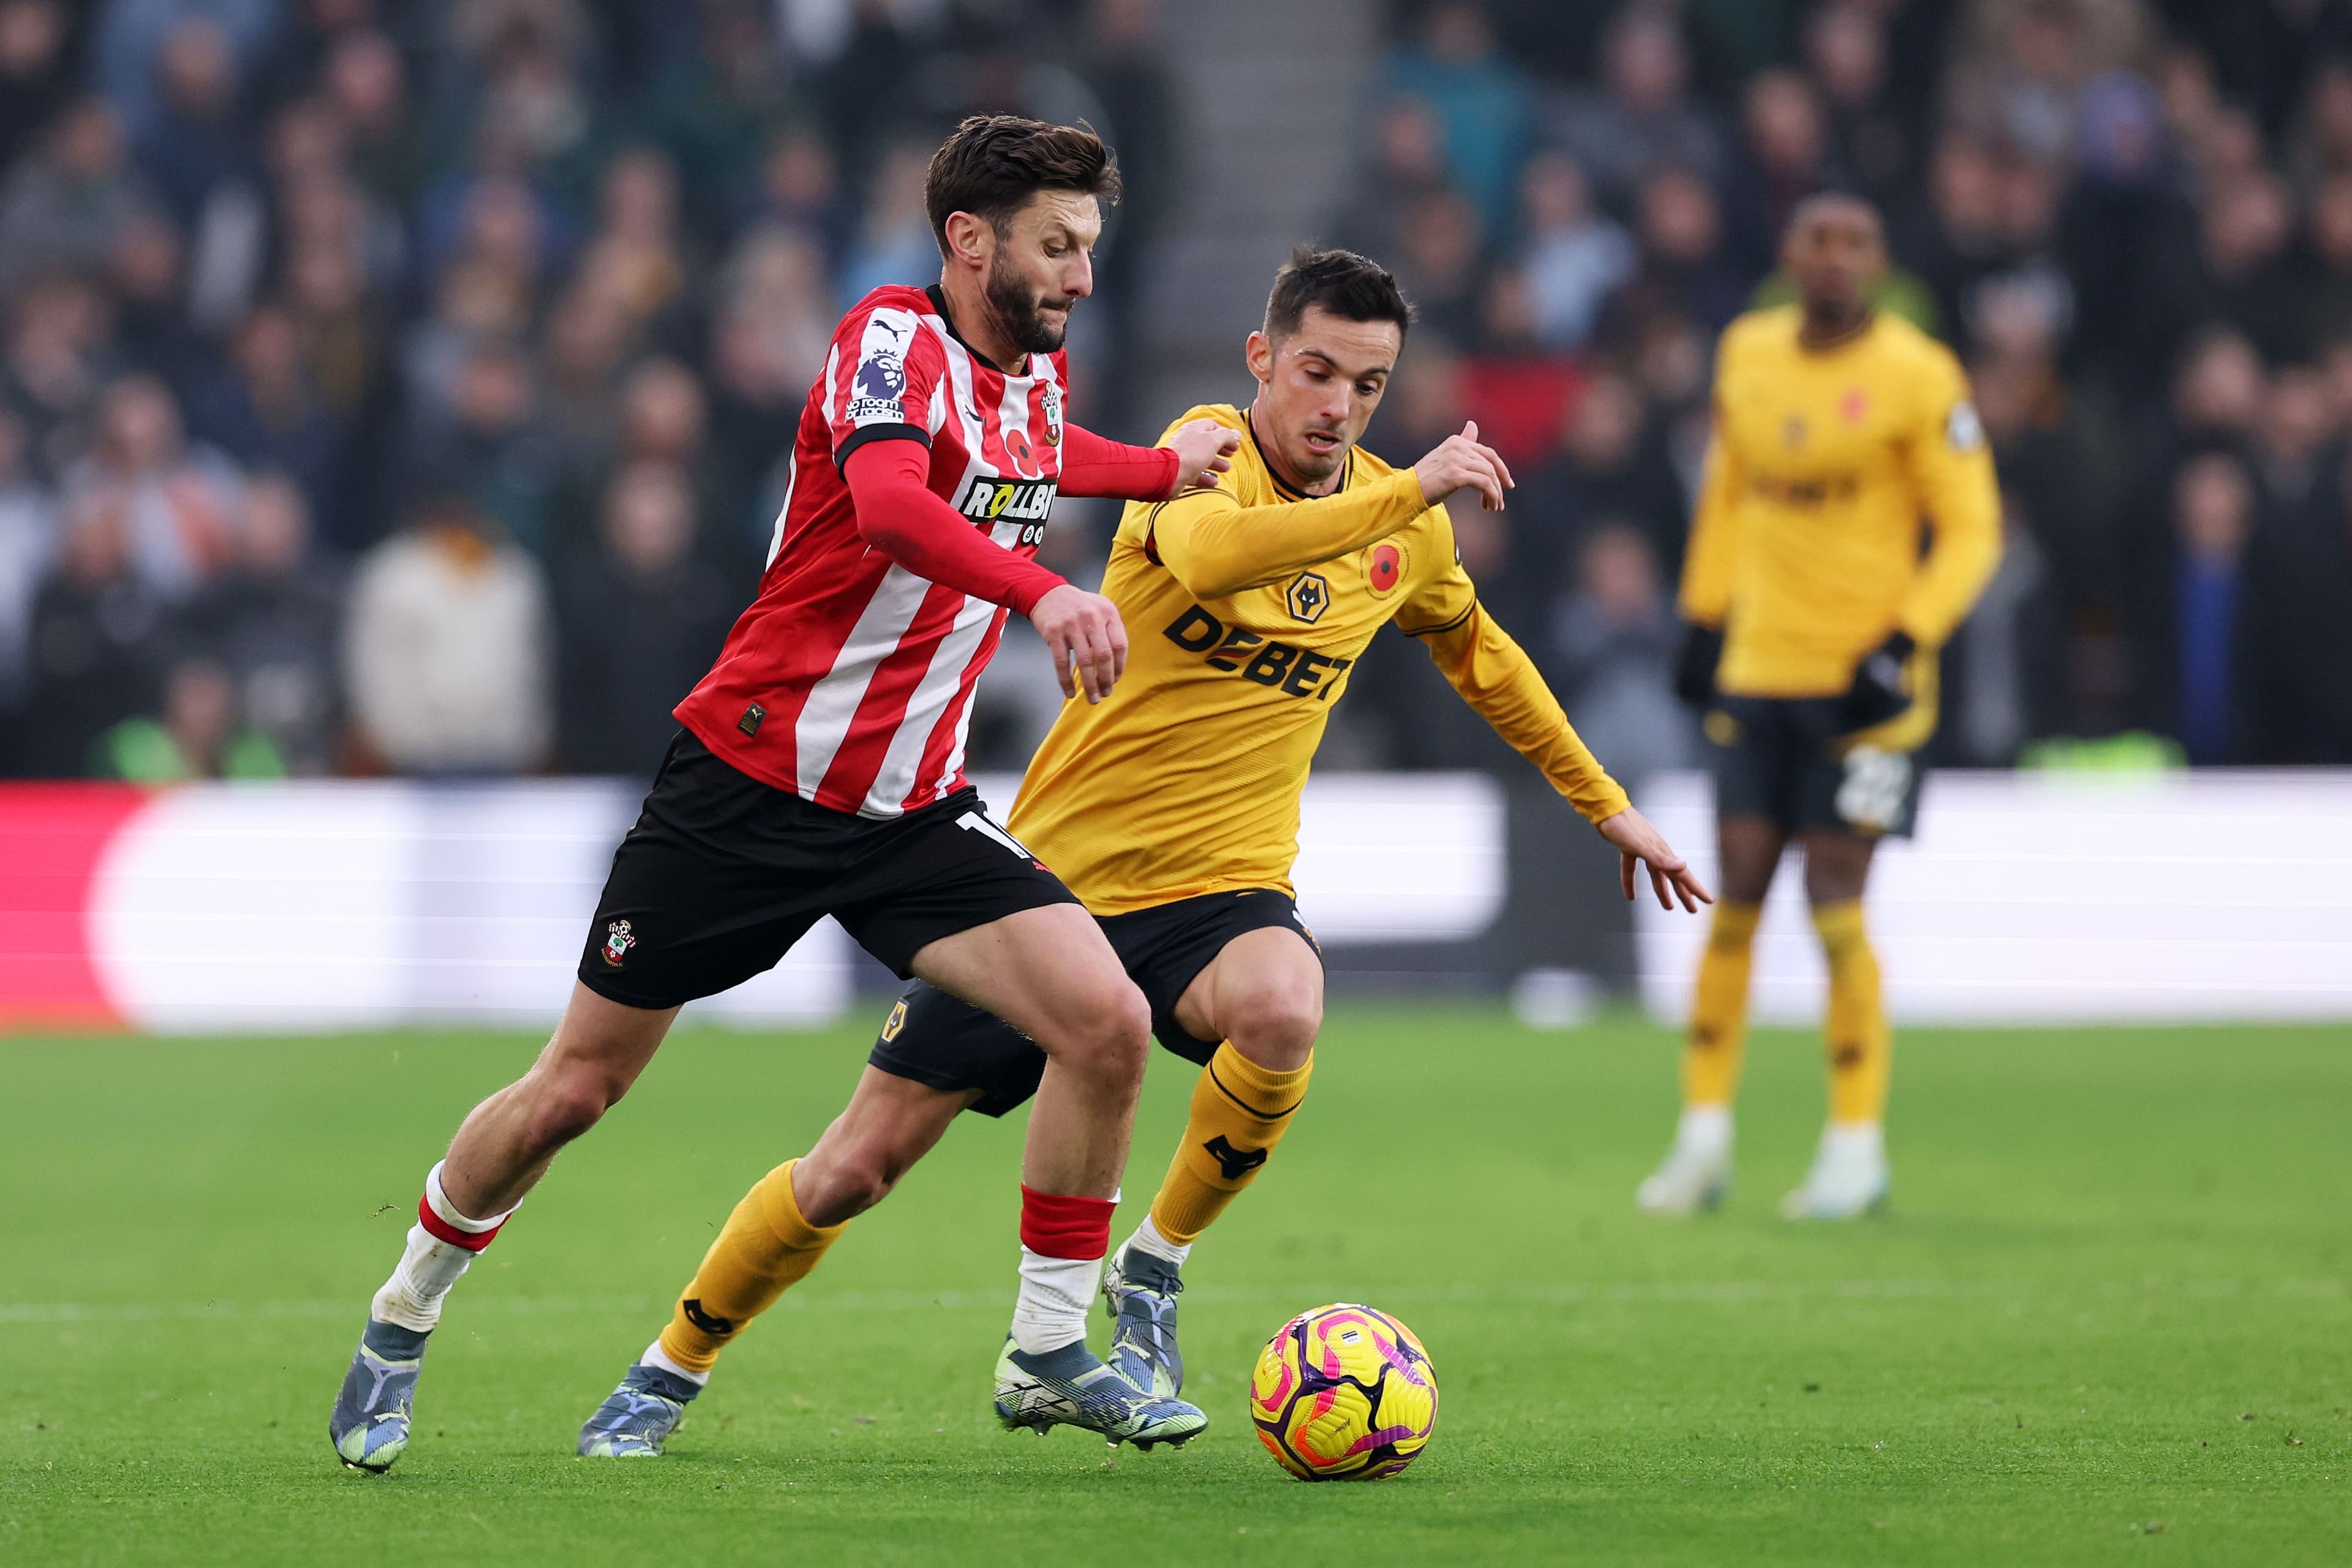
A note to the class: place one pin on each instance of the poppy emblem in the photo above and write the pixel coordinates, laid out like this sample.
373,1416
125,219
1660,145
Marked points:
1854,405
1023,455
1384,569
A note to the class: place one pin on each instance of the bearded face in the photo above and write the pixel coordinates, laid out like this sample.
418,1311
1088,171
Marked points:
1020,308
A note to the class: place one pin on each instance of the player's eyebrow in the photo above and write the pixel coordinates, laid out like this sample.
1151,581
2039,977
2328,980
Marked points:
1341,370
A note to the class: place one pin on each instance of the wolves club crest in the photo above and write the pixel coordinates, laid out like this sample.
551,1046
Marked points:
618,940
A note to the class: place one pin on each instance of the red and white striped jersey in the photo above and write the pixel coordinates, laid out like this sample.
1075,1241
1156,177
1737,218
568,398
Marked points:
849,680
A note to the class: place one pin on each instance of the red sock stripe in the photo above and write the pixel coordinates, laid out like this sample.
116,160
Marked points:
440,1229
1056,1225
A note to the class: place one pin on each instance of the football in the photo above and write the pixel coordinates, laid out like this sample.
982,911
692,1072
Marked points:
1344,1394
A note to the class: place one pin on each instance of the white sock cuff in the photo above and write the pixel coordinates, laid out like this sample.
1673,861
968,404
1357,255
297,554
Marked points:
447,1212
1147,1239
656,1356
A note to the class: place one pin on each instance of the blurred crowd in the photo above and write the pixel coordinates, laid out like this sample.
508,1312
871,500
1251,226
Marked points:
2131,218
406,385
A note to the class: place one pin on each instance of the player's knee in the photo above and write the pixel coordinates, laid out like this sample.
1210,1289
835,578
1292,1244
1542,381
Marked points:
1275,1027
563,1105
848,1183
1107,1034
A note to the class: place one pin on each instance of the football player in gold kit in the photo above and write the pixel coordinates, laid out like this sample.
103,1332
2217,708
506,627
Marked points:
1848,523
1171,809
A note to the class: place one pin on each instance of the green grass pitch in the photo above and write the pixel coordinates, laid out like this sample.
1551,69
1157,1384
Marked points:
2106,1320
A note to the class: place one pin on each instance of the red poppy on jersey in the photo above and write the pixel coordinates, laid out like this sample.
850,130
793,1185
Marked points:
1384,568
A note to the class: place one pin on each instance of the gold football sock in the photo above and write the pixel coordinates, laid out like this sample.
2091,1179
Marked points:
1856,1031
1717,1038
764,1250
1239,1112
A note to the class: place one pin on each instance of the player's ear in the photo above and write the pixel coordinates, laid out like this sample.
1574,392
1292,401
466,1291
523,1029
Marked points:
971,239
1258,351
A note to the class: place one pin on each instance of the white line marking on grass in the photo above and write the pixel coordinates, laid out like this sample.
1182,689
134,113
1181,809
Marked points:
1698,1293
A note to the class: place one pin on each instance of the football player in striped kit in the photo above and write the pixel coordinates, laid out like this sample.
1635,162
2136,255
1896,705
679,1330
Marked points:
820,771
1173,808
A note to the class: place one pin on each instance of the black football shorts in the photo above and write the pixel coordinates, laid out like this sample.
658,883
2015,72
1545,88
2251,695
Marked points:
1785,759
723,873
943,1041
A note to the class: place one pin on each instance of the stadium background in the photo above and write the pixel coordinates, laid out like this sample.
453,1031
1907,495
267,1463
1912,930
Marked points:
402,391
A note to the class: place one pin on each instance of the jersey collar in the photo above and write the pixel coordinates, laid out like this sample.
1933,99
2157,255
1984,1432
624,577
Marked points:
1283,487
938,298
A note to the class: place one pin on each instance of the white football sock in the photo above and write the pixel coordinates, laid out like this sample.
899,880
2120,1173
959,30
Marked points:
1705,1129
656,1356
1854,1139
1051,1310
429,1266
1146,1238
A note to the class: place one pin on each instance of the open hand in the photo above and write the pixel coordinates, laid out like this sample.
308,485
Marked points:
1087,638
1464,462
1670,875
1203,449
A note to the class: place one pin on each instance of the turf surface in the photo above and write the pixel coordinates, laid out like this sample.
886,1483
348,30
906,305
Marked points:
2108,1319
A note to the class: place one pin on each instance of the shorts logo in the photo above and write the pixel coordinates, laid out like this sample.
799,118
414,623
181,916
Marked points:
1871,795
618,940
1308,597
1384,569
895,1021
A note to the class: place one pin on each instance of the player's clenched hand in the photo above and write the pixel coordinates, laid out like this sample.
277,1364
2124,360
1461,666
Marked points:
1670,875
1464,462
1085,634
1203,449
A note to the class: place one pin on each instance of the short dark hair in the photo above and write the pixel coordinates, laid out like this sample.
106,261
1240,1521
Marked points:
993,163
1351,287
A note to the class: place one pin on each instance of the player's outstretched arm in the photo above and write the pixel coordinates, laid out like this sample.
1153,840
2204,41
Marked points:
1194,453
900,515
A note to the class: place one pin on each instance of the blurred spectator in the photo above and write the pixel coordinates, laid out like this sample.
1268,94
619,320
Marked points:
1784,157
1610,467
640,620
2193,608
34,78
1437,262
2298,422
131,33
27,539
194,147
638,258
893,241
58,362
273,620
99,641
1613,640
1683,271
2298,646
1481,99
198,735
1408,142
2242,278
1513,390
491,448
445,647
1572,257
1641,119
67,204
174,506
1846,57
367,85
260,407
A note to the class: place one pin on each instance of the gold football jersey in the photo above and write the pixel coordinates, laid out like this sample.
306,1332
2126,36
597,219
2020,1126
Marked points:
1849,495
1248,605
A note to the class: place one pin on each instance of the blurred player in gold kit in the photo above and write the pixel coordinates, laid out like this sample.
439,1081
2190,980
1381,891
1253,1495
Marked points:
1848,523
1171,809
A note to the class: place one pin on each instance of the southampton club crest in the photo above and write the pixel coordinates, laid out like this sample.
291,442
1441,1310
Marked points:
618,940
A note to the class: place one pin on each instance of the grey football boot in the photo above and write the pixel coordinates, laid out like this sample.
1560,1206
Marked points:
637,1417
1139,1294
1072,1387
368,1427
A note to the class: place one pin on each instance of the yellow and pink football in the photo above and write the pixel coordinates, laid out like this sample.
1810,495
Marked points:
1344,1394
